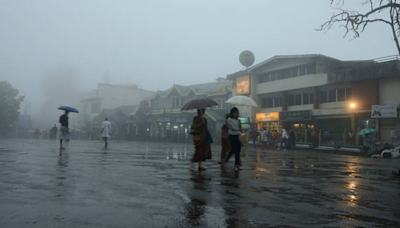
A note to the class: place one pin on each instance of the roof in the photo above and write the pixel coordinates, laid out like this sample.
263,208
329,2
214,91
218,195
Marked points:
277,57
204,88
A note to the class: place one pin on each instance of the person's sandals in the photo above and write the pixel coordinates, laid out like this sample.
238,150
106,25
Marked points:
238,168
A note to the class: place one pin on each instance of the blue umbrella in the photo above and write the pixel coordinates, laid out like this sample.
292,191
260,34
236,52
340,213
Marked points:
67,108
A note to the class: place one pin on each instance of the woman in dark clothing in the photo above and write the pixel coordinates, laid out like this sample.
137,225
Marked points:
234,130
226,146
201,138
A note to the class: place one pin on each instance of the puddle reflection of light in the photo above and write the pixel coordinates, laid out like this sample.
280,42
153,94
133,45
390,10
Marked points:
303,166
258,156
261,169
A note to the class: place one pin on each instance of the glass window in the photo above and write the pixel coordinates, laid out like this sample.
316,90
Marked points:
295,72
341,94
280,74
287,73
348,94
291,100
277,101
297,99
273,76
302,70
324,96
261,78
306,98
311,98
310,69
264,103
270,102
267,77
332,96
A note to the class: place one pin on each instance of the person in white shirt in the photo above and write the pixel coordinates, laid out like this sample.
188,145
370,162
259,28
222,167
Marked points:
234,131
106,131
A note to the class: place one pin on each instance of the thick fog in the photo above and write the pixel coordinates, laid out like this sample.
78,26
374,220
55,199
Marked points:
52,51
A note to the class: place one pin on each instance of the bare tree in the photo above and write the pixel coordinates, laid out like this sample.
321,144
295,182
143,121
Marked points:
379,11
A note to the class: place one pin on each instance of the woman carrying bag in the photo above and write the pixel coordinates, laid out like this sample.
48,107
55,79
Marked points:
234,131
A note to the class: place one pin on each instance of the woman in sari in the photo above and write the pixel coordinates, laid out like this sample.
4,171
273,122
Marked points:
201,138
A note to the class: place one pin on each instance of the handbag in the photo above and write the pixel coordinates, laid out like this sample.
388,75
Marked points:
243,139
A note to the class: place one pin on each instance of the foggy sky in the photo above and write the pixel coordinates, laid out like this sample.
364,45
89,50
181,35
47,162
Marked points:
155,43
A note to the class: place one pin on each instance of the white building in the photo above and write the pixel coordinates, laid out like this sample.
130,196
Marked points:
109,96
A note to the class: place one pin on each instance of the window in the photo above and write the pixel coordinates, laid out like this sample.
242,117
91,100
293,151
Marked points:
270,102
324,96
341,94
297,99
277,101
348,94
306,98
280,74
332,95
264,103
302,70
291,100
267,77
287,73
295,72
310,69
273,76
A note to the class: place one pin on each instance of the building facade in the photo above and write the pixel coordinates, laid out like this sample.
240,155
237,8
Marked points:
169,123
316,92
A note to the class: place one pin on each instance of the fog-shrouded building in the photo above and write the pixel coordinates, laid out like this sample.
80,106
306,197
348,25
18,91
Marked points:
169,123
108,96
307,92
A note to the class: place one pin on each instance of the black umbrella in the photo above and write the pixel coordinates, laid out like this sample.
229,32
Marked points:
199,103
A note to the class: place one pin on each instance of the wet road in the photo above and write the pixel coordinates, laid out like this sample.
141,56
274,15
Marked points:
135,184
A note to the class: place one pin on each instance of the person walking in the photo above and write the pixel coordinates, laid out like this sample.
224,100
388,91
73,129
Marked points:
64,130
292,140
201,139
234,130
225,145
254,135
106,131
53,132
284,138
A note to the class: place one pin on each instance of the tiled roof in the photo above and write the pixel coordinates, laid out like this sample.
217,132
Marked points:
197,88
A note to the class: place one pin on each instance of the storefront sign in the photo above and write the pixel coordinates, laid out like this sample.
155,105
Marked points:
295,115
243,85
163,120
181,120
265,117
395,137
384,111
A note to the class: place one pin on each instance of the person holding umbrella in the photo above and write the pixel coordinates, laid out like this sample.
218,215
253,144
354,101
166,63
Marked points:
64,130
201,139
235,130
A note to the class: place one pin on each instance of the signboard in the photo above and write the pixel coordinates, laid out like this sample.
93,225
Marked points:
295,115
245,122
384,111
395,137
265,117
181,120
243,85
163,120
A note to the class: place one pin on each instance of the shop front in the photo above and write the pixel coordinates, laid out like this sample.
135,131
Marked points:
268,121
387,121
171,127
300,122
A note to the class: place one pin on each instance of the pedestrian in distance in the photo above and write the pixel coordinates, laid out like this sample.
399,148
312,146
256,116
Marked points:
292,140
225,145
53,132
106,131
201,139
284,138
234,130
254,135
64,130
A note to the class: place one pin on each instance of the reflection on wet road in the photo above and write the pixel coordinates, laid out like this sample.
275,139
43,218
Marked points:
134,184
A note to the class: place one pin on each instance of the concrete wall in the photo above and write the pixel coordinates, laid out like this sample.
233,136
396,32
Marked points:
389,91
300,82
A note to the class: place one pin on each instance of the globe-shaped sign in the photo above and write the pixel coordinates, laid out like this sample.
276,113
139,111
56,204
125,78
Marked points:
246,58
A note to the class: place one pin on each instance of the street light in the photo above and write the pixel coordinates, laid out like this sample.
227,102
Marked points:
352,105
